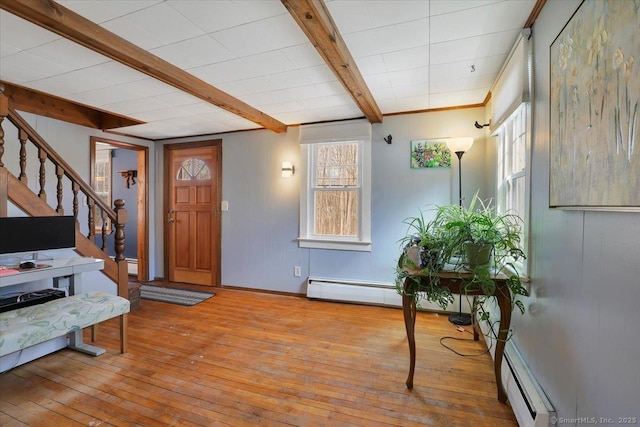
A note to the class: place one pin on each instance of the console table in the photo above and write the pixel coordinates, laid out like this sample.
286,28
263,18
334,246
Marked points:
56,269
454,281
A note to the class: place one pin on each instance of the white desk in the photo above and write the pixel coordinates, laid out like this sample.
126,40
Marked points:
57,269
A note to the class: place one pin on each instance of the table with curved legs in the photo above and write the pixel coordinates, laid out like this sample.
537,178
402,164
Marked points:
454,281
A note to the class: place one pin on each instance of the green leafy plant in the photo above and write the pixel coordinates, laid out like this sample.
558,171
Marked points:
423,248
452,229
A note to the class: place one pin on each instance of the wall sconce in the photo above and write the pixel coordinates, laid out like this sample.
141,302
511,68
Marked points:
129,176
287,169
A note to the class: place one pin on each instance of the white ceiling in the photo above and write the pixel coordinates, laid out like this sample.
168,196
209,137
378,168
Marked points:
413,55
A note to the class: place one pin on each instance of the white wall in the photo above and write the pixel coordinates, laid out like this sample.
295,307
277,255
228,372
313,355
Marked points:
580,335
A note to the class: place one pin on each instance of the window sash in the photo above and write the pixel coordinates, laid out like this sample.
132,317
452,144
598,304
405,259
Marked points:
336,213
333,169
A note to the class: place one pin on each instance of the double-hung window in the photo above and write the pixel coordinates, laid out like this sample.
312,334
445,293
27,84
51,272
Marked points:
512,168
335,202
510,123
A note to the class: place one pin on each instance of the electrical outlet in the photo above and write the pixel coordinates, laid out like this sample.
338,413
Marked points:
296,271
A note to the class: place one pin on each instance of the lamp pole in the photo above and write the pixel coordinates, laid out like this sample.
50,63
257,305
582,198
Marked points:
460,318
459,154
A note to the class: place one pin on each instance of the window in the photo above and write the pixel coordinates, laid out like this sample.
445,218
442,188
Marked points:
102,185
510,123
193,168
335,202
512,168
336,189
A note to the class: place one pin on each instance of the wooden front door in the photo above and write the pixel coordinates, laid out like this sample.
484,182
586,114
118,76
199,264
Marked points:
193,174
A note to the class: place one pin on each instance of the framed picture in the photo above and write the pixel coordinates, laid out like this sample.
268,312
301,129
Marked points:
594,109
430,153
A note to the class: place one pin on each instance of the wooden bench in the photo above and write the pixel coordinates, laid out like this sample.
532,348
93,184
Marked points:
26,327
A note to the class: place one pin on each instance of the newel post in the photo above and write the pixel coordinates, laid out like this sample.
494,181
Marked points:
121,220
123,273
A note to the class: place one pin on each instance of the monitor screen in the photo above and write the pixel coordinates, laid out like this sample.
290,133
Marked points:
36,233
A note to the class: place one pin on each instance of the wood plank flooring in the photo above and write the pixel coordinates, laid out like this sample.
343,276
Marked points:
247,358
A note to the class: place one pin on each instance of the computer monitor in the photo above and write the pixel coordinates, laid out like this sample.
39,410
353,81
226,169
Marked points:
36,233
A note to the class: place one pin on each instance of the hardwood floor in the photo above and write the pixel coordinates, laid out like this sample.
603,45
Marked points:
255,359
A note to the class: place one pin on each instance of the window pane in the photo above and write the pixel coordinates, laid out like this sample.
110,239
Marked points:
193,168
337,165
336,213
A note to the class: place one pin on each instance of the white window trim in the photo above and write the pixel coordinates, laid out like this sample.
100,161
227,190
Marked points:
306,237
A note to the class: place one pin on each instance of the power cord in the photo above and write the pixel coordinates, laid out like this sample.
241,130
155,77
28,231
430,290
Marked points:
461,329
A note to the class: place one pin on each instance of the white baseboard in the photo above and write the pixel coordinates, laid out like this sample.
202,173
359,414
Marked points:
530,404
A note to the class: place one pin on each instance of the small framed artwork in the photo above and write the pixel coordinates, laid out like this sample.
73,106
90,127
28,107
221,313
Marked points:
430,153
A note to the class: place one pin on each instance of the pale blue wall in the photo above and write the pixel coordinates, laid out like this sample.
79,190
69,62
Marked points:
259,232
399,191
580,335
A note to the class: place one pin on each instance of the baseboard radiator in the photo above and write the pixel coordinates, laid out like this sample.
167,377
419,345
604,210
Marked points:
353,291
527,399
368,292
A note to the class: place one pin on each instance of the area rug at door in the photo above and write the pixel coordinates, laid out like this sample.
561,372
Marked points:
173,295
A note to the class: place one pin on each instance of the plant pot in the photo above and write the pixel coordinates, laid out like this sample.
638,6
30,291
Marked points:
413,253
424,257
431,257
477,254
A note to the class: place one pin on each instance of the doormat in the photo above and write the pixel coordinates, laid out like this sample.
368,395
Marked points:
173,295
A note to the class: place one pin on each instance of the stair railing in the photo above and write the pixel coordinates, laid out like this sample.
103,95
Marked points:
117,216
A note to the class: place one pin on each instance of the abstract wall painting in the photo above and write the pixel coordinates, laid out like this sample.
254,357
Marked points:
594,131
430,153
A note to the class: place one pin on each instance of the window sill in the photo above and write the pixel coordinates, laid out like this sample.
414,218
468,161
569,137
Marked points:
342,245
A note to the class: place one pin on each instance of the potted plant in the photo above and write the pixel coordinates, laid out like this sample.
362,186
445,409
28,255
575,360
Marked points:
423,254
459,231
479,232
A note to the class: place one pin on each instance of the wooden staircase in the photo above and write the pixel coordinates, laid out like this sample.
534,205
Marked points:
68,184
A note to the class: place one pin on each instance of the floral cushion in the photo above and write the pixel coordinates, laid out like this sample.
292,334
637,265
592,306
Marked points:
29,326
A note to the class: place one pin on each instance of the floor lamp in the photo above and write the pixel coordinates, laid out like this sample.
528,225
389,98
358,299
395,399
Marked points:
460,146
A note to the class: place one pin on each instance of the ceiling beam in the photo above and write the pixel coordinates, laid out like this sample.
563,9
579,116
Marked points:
42,104
56,18
314,19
